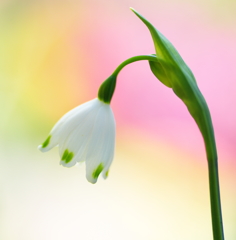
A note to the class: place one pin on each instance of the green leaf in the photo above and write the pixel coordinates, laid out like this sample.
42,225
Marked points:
165,50
173,72
161,71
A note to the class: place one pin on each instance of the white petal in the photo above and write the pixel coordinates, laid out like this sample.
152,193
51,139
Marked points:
101,147
78,127
77,140
57,131
79,117
109,153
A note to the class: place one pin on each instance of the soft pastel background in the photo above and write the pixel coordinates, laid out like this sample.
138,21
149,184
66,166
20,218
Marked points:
54,54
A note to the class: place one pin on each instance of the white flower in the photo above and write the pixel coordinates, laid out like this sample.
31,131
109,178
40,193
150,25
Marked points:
86,133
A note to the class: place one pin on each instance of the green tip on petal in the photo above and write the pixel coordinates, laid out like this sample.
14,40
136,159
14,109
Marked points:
46,142
97,171
67,156
106,174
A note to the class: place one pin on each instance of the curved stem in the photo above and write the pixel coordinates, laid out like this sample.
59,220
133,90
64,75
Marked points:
106,90
134,59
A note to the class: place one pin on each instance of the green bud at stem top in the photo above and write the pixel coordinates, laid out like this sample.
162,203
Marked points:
107,89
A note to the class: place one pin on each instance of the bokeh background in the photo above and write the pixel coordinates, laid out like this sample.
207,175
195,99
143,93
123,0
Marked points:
54,54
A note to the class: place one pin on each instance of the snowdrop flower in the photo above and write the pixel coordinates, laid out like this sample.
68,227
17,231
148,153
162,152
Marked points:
86,133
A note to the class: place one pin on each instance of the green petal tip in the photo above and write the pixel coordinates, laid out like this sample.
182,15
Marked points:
97,171
67,156
46,142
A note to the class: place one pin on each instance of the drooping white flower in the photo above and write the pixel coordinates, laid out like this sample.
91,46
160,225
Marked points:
86,133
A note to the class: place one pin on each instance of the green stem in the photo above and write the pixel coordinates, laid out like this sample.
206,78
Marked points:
204,122
217,224
107,88
134,59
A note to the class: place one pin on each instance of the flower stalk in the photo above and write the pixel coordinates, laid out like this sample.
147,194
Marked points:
134,59
216,215
106,90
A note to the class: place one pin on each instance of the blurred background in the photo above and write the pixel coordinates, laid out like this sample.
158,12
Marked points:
54,54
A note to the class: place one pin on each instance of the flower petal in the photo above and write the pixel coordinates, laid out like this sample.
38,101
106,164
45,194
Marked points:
59,128
110,149
76,142
101,147
78,131
110,146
